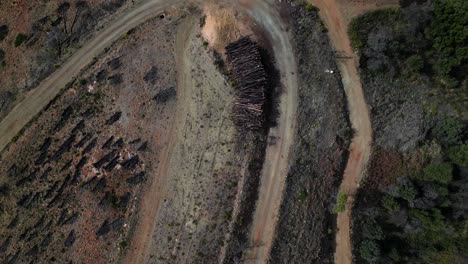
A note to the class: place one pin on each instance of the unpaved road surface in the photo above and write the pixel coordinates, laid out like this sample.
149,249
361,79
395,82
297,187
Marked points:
277,155
151,202
336,15
39,97
275,168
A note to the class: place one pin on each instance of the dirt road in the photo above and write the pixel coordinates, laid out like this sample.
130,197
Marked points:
277,155
38,98
336,16
151,202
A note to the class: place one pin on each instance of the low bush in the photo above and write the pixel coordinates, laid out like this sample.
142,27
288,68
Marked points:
360,27
310,7
340,203
441,173
449,131
20,38
369,250
459,154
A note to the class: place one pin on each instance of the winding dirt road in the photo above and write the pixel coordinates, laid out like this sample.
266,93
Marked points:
277,155
39,97
336,16
151,202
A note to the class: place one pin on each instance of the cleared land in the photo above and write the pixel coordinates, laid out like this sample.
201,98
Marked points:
39,97
203,177
174,155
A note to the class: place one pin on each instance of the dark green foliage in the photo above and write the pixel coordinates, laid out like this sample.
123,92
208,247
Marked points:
302,196
415,39
415,227
360,27
449,32
372,230
416,220
407,191
390,204
415,63
20,38
448,131
421,217
310,7
459,154
369,250
3,32
441,173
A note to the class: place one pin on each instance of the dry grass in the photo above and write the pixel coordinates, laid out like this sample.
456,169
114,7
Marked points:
221,26
226,29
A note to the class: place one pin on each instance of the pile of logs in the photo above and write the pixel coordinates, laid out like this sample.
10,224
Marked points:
250,78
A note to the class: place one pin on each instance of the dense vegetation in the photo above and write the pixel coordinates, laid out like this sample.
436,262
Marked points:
422,216
429,38
412,206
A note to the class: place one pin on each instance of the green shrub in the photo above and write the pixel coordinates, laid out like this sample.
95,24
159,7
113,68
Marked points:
302,196
448,131
310,7
449,34
407,192
369,250
340,203
389,203
360,26
20,38
415,63
459,154
372,230
123,244
441,173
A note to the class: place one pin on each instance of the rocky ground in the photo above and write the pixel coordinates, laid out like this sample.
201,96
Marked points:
37,36
306,222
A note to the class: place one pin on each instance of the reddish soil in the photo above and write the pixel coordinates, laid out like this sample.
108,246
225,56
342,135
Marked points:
336,15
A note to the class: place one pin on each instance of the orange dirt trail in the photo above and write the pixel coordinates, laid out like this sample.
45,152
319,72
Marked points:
336,14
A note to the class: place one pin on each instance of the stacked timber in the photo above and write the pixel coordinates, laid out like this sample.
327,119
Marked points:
251,82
